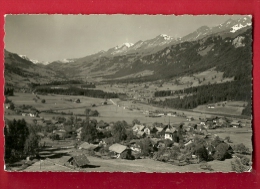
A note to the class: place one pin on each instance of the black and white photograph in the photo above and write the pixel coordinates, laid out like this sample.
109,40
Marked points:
128,93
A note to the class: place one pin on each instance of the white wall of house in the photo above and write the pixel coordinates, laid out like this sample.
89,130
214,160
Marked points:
168,136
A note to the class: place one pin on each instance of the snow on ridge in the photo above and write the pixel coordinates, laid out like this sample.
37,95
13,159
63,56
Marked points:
238,27
128,44
166,37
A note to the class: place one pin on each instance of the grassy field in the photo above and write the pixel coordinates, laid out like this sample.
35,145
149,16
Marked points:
230,108
122,165
108,113
112,112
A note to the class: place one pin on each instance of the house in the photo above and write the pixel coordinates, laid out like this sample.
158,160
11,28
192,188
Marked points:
60,132
106,141
79,160
77,100
211,106
190,118
102,125
118,149
78,132
137,128
160,131
161,114
134,146
153,130
88,146
147,131
235,124
140,134
33,114
169,133
104,103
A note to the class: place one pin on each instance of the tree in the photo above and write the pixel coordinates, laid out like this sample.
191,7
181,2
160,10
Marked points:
89,132
241,148
11,106
201,153
31,144
136,121
16,133
43,101
119,131
146,146
222,152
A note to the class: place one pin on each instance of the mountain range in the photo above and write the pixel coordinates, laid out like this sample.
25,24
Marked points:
157,58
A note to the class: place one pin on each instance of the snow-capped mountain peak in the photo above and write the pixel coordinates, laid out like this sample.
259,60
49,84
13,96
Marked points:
33,61
166,37
128,44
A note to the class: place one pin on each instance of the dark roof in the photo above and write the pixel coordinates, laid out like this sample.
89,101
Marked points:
81,160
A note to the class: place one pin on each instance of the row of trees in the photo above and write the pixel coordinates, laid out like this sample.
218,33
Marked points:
194,96
77,91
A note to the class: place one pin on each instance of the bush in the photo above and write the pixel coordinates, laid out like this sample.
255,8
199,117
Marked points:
168,143
91,152
201,152
216,142
228,139
43,101
241,148
222,152
237,166
245,161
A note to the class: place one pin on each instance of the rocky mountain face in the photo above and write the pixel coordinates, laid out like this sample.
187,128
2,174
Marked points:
162,56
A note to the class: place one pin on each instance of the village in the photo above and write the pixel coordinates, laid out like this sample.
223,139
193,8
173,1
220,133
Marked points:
178,138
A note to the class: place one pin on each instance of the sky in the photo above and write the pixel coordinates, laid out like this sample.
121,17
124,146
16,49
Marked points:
56,37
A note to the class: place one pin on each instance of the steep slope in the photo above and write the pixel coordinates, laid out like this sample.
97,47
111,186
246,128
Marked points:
20,72
131,59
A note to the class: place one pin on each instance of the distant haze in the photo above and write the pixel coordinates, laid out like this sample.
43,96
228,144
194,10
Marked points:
55,37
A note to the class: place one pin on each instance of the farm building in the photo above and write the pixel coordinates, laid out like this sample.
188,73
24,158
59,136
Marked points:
88,146
134,146
147,131
106,141
79,160
137,128
104,103
211,106
120,151
140,134
77,100
102,125
235,124
33,114
24,114
190,118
